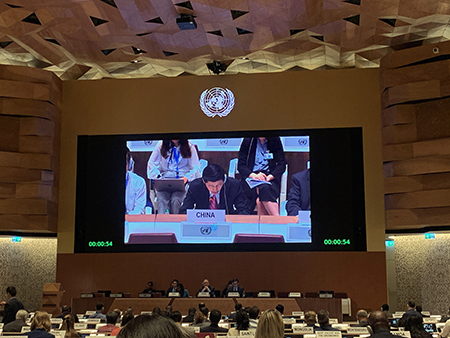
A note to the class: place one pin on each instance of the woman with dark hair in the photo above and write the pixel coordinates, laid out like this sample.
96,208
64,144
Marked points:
40,326
182,291
128,316
242,324
262,163
173,159
69,326
154,326
414,324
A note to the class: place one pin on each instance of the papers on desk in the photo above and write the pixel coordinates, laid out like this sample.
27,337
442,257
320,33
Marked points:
252,183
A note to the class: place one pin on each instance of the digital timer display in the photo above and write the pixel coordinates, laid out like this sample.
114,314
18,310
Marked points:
100,244
342,241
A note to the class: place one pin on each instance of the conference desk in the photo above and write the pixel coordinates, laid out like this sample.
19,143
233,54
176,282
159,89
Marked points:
225,305
164,228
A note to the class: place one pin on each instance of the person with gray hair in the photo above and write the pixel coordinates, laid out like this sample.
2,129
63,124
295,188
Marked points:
361,315
16,325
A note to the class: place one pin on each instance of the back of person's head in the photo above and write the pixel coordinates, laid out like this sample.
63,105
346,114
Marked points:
176,316
169,308
156,311
205,311
199,317
65,308
111,317
378,320
11,290
154,326
126,318
384,307
22,314
254,312
310,317
322,317
41,320
419,309
361,314
192,311
237,306
411,304
213,173
280,308
215,316
165,313
242,320
200,305
68,324
130,310
270,325
414,324
99,306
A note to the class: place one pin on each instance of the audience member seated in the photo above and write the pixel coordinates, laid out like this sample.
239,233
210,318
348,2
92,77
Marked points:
214,318
361,316
280,309
16,326
182,291
206,287
232,315
11,306
225,291
215,191
235,287
154,326
111,320
69,326
253,314
414,324
299,193
99,311
242,324
323,319
40,326
310,319
379,323
270,325
178,318
156,311
385,309
65,310
200,320
190,317
419,309
125,319
411,309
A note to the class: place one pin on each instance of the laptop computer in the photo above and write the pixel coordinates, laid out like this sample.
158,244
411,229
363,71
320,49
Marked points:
169,184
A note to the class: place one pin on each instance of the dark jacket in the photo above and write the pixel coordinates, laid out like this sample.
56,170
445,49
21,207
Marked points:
299,195
39,333
214,327
15,326
11,308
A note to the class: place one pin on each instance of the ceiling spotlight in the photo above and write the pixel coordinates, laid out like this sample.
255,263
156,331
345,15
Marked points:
217,67
186,21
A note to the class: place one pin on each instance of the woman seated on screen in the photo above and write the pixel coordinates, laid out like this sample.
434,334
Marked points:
262,159
173,159
40,326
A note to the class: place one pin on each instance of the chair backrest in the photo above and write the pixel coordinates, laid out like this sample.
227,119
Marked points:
203,165
232,168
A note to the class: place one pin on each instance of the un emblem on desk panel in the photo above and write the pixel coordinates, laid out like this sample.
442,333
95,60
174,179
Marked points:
205,230
217,101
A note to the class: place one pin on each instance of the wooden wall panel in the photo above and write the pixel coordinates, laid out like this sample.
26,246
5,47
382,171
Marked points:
416,136
29,149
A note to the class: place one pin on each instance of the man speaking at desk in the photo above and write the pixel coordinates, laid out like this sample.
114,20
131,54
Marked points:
215,191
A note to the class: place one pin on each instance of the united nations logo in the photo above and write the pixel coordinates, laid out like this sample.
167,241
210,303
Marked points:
148,143
206,230
217,101
302,141
223,142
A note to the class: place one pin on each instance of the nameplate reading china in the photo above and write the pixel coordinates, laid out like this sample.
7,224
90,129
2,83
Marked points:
233,294
358,330
328,334
297,328
405,334
205,215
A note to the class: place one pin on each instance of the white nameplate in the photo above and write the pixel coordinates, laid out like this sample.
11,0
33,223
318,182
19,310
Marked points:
397,316
405,334
80,316
25,329
233,294
197,329
174,294
298,313
15,336
116,295
224,325
56,320
429,320
425,313
205,215
203,294
289,320
145,295
146,312
93,320
399,313
302,329
333,321
264,294
88,313
247,333
295,294
1,325
328,334
80,326
87,295
358,330
59,334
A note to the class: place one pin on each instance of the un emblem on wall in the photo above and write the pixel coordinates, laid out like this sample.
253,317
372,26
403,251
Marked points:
217,101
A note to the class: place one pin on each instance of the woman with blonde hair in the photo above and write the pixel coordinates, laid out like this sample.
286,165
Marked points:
40,326
270,325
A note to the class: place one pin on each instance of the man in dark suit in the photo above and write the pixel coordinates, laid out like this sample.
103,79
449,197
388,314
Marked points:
215,191
361,315
379,323
235,287
299,194
16,325
11,306
214,317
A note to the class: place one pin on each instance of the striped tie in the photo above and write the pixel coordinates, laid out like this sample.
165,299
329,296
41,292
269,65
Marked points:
213,202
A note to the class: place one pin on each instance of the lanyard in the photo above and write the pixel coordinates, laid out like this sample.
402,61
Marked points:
176,156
